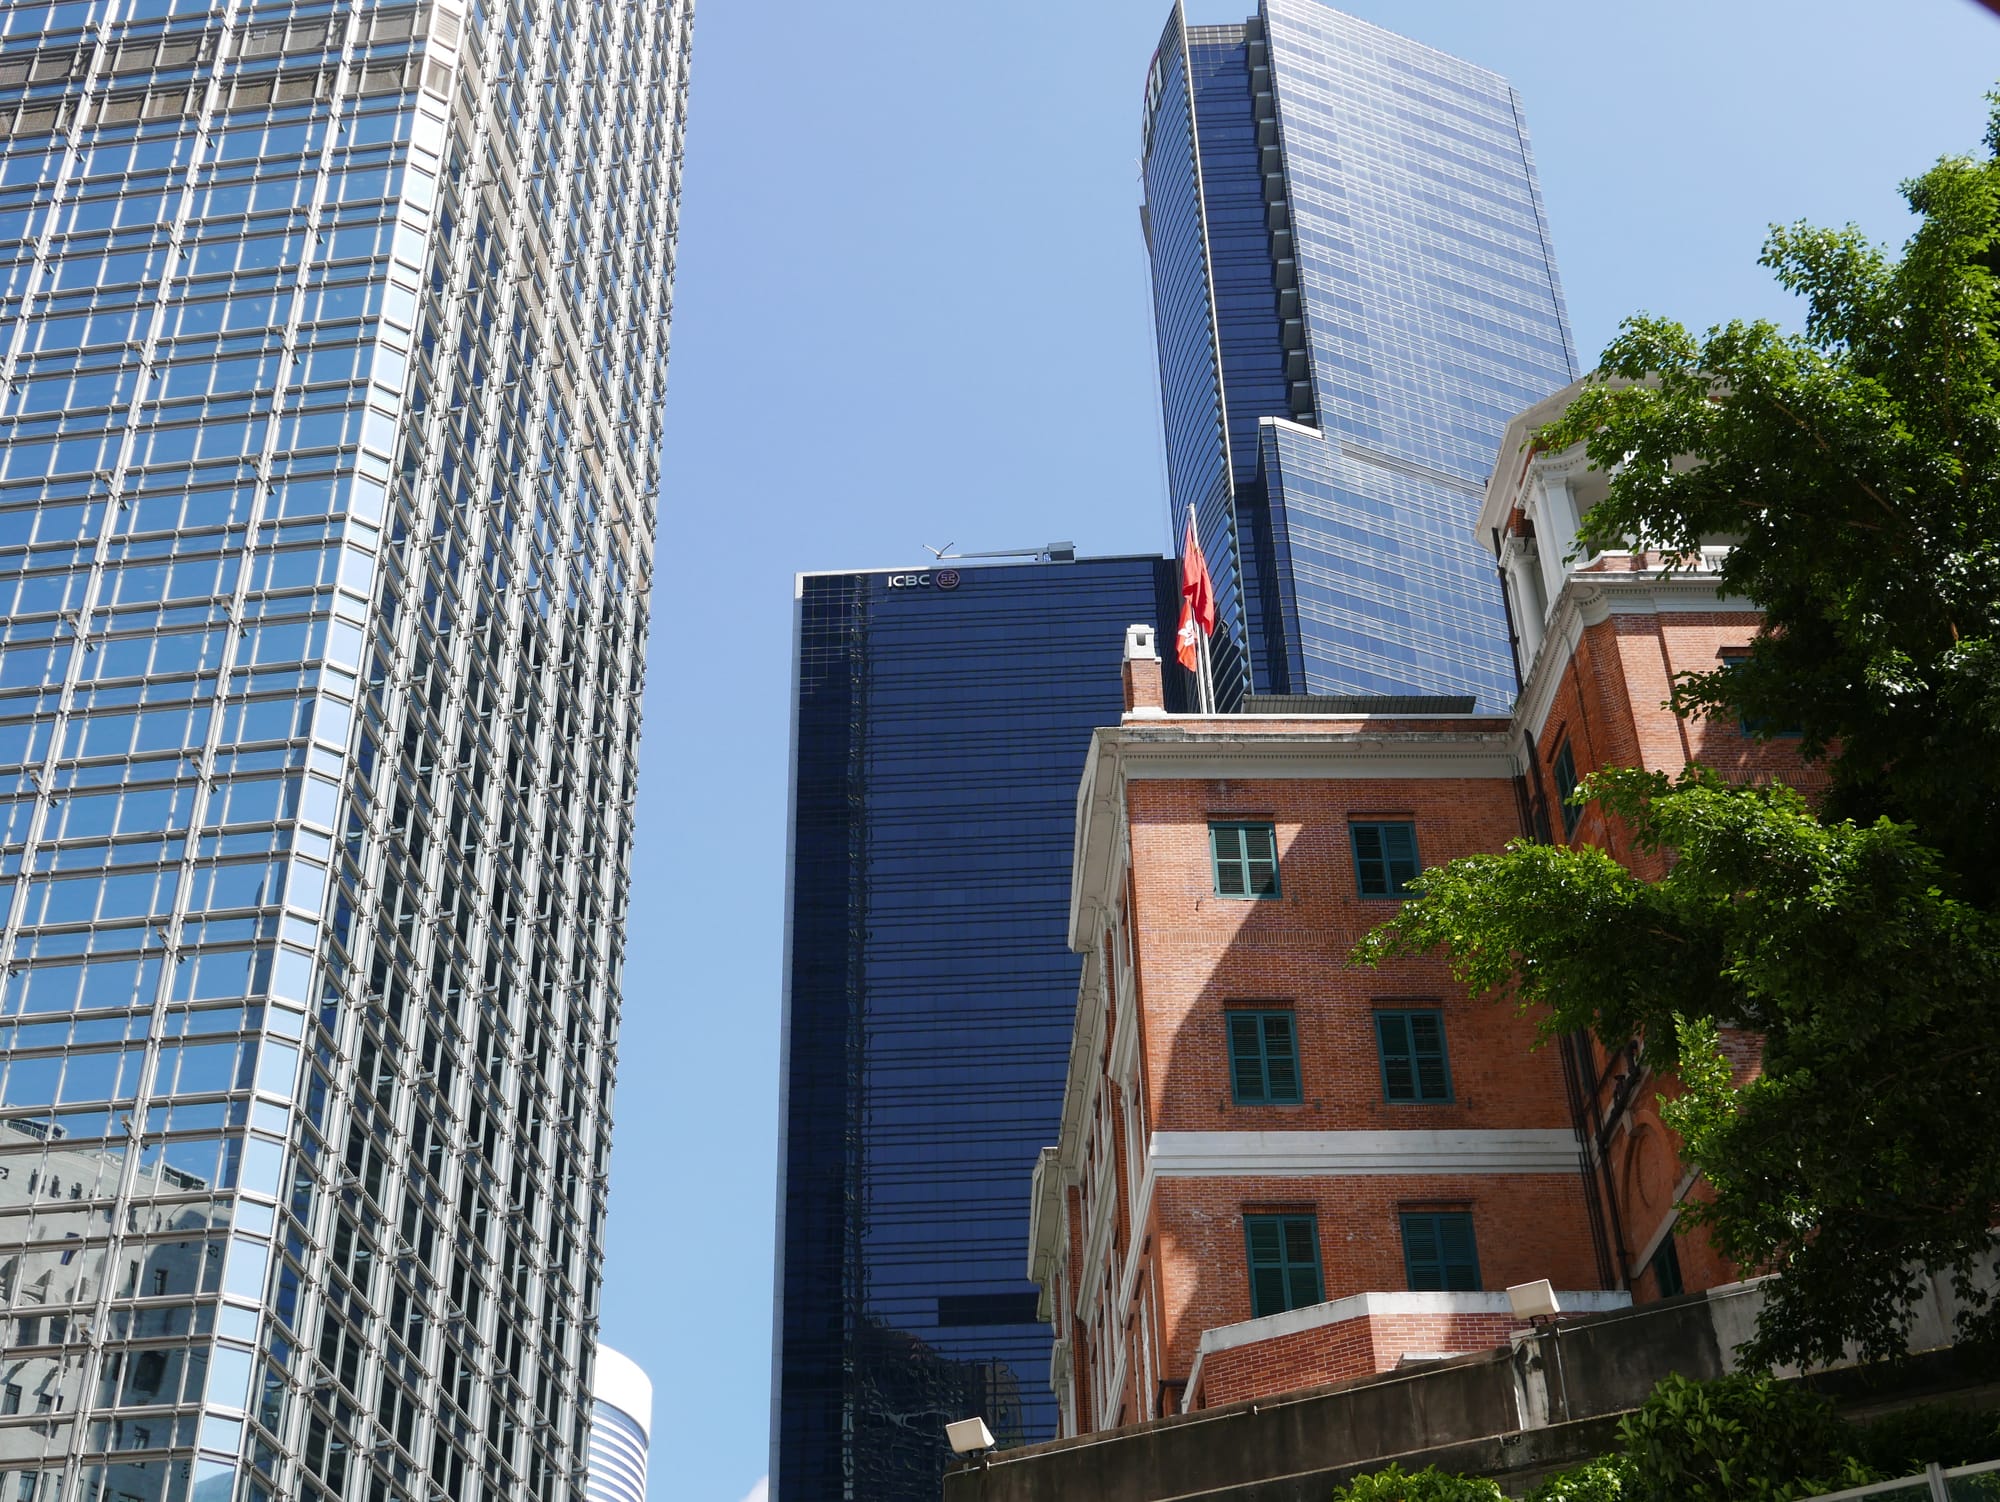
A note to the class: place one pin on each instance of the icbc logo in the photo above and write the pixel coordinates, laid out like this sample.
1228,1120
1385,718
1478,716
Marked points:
944,578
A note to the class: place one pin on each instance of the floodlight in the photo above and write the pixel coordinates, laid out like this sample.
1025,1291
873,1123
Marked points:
1532,1301
969,1436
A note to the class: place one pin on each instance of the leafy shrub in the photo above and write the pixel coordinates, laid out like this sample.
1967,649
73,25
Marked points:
1605,1480
1901,1444
1428,1485
1740,1439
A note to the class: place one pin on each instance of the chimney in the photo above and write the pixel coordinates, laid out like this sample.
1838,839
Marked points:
1145,693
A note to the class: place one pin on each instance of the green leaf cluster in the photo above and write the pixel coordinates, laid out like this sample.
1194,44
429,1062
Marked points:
1428,1485
1855,469
1741,1439
1903,1443
1604,1480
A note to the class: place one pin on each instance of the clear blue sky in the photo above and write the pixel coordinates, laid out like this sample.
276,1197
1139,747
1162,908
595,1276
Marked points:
912,307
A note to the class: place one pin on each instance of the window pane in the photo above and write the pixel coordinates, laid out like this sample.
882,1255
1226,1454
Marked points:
1260,845
1565,773
1284,1262
1385,858
1281,1063
1299,1239
1439,1254
1420,1238
1433,1081
1246,859
1265,1244
1392,1031
1370,874
1400,843
1246,1066
1229,881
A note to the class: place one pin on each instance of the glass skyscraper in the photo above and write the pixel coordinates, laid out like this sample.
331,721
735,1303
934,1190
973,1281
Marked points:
941,719
334,350
1354,290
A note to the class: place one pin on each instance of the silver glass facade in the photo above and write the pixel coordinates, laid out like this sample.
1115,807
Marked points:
1353,290
332,351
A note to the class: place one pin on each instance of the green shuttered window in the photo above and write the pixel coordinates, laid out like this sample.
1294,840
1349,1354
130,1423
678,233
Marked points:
1246,859
1385,858
1414,1068
1565,772
1263,1058
1284,1262
1438,1253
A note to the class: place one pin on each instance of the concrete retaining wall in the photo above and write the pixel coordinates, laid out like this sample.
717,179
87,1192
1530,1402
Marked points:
1516,1414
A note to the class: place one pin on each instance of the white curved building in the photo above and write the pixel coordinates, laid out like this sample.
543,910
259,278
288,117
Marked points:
621,1428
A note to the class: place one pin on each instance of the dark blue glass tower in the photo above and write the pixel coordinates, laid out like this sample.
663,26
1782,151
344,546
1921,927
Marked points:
1353,290
940,726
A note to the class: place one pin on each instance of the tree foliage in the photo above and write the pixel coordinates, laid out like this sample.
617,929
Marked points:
1740,1439
1604,1480
1869,1145
1392,1484
1855,468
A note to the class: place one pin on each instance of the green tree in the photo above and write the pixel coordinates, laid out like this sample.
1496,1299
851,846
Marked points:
1740,1439
1856,470
1869,1146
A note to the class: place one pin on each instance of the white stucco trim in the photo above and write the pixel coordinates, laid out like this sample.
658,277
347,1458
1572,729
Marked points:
1176,754
1333,1154
1377,1305
1589,599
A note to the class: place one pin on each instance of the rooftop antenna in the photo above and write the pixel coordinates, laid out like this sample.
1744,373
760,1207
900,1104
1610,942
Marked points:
1048,552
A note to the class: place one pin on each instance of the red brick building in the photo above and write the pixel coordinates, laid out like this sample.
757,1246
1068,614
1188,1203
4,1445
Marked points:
1277,1169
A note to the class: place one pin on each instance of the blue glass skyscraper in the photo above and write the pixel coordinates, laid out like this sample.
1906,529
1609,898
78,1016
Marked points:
1354,290
941,721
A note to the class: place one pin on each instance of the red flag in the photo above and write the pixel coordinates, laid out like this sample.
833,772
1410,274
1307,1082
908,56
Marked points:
1197,600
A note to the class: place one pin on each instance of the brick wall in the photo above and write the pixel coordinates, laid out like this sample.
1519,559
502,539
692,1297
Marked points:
1610,708
1199,953
1527,1226
1336,1352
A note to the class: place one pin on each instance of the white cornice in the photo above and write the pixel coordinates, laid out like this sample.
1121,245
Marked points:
1589,599
1183,752
1344,1154
1381,1305
1100,815
1511,468
1045,1228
